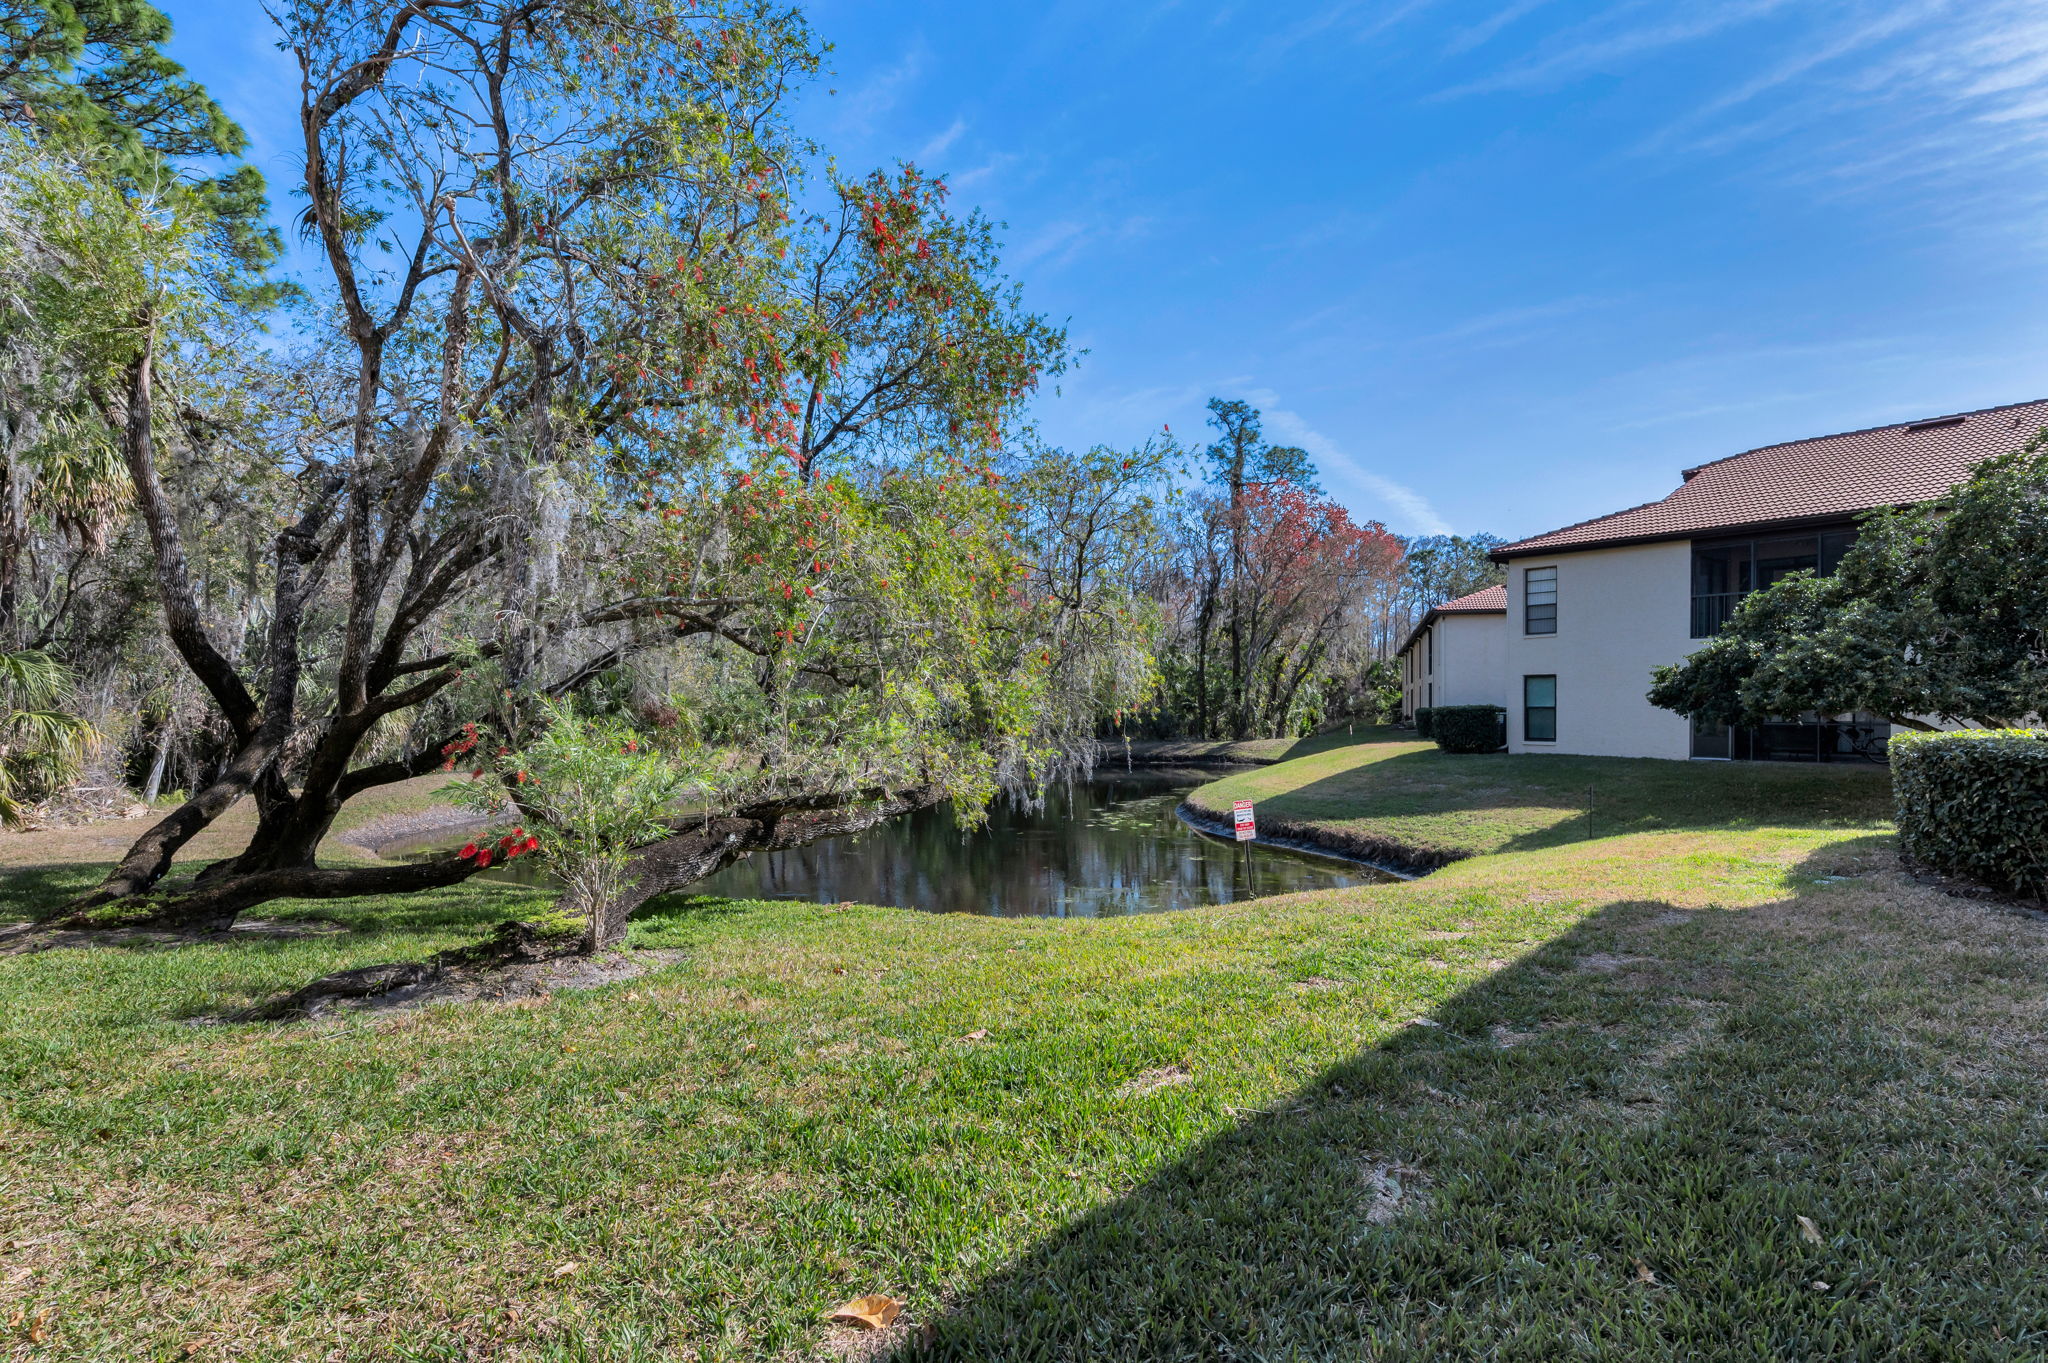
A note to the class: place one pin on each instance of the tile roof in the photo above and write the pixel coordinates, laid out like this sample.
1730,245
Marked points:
1830,475
1486,601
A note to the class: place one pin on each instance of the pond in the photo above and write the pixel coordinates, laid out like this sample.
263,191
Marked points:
1098,848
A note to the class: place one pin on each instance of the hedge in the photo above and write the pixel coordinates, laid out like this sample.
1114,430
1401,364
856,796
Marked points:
1974,803
1467,728
1422,717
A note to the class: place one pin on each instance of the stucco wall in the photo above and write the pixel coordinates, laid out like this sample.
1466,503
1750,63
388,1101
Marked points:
1620,612
1466,666
1471,659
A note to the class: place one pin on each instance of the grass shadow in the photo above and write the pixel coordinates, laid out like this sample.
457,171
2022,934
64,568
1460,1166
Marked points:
1441,806
1602,1150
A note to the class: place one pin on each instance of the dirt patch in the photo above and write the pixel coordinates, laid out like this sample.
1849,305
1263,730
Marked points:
1605,963
23,939
857,1345
1391,1190
1507,1037
1151,1081
515,965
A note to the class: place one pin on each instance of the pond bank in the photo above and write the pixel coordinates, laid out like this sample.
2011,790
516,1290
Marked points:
1302,838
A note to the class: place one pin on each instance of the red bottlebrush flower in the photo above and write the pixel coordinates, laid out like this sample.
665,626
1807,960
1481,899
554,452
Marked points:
631,746
520,778
746,480
469,849
483,858
449,765
532,844
809,590
817,566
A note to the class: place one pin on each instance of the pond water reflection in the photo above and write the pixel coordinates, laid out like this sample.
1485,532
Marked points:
1095,849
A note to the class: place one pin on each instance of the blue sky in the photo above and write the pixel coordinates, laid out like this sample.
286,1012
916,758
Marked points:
1498,264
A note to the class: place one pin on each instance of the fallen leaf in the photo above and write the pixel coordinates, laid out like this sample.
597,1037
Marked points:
20,1275
632,995
872,1312
1643,1274
1809,1231
978,1034
39,1329
1819,1286
565,1269
1423,1022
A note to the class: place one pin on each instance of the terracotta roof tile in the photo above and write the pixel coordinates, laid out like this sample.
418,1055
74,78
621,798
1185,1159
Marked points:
1494,598
1485,601
1831,475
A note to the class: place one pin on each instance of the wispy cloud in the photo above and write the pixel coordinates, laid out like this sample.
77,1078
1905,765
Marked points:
1613,36
1508,325
862,109
1487,29
943,143
1408,510
1058,243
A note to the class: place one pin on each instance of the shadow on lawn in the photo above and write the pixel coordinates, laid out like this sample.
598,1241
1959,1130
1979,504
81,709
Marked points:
1599,1151
1518,802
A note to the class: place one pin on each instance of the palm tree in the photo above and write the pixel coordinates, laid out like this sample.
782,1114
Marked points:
42,746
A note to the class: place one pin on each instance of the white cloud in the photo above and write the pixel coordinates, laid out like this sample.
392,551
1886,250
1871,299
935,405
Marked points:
1410,512
940,145
862,109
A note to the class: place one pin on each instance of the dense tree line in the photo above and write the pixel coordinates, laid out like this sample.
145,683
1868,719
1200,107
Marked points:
1279,612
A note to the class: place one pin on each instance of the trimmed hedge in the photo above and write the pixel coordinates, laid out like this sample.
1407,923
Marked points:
1974,803
1468,728
1423,714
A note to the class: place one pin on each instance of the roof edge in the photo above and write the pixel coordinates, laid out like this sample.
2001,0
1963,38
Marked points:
1711,532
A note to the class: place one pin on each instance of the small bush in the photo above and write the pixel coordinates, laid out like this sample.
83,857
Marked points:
1468,728
1974,803
1422,716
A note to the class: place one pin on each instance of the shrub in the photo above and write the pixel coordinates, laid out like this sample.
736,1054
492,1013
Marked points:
1974,803
1468,728
1422,719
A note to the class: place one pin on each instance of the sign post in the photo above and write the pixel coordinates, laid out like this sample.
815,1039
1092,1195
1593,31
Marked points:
1241,814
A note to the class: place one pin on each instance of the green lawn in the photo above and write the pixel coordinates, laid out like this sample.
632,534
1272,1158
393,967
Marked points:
1167,751
1569,1102
1390,795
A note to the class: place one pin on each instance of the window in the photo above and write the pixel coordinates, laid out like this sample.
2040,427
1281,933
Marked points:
1724,573
1539,709
1539,601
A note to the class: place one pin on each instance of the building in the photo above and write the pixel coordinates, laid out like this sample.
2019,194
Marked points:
1591,609
1457,655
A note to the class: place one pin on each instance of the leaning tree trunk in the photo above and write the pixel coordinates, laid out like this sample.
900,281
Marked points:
692,853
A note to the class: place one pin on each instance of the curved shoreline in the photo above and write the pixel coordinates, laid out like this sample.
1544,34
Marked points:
1382,854
388,832
1296,837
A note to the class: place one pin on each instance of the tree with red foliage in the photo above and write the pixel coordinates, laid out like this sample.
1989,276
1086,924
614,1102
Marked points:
1306,566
